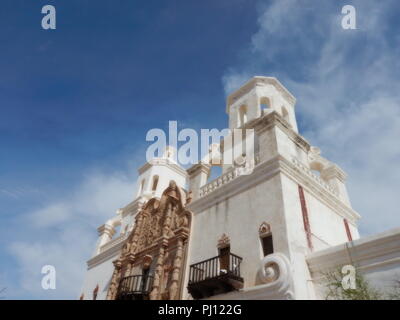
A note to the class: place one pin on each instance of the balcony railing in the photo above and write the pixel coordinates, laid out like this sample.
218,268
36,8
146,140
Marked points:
216,275
228,176
135,287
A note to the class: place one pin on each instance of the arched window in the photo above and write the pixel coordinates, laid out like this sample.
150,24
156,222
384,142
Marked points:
242,115
155,182
266,239
265,104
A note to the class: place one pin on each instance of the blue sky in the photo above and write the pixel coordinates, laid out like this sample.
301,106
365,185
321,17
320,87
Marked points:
77,102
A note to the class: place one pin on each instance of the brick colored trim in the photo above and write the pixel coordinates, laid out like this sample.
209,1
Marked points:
306,221
348,232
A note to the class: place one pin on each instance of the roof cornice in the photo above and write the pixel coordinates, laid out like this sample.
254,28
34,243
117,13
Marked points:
257,81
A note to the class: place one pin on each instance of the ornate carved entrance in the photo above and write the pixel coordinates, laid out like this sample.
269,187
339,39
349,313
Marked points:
151,265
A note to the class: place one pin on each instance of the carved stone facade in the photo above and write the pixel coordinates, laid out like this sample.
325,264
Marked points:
158,243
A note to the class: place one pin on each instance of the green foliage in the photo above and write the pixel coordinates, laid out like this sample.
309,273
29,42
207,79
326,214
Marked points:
363,289
394,294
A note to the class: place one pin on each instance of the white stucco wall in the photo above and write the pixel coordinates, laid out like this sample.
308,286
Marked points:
240,217
99,273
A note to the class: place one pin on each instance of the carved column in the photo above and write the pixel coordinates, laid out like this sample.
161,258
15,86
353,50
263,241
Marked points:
113,289
136,232
154,295
168,216
176,270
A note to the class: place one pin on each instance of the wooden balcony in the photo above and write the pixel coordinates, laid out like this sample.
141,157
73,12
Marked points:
214,276
135,287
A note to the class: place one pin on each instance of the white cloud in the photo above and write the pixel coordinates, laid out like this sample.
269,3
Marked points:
51,215
348,92
63,234
234,80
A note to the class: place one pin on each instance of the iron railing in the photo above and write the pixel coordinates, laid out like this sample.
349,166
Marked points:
138,284
215,267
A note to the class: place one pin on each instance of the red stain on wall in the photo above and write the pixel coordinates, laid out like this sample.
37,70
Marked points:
305,217
348,232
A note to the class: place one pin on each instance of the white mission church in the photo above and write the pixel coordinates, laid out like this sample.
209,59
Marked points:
266,235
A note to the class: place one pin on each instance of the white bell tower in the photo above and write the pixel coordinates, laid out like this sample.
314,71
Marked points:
257,97
155,175
292,203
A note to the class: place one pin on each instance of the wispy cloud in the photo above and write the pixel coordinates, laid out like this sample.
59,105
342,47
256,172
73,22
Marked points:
9,193
63,233
19,192
347,88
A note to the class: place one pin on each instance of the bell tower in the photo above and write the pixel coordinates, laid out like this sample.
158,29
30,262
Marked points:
155,175
258,97
292,203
